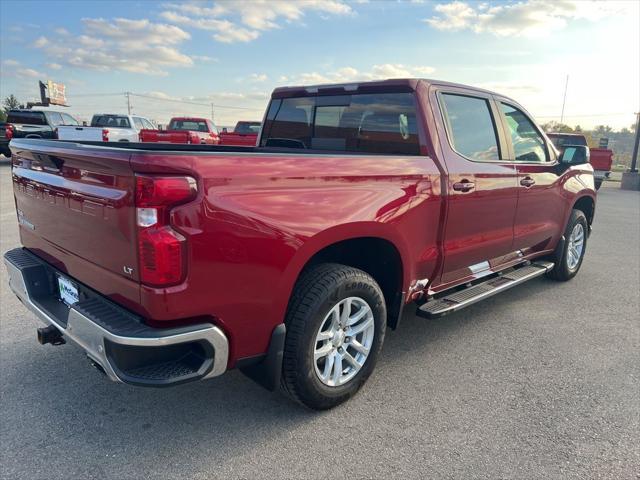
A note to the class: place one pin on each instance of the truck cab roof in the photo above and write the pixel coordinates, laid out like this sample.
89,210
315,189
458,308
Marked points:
397,84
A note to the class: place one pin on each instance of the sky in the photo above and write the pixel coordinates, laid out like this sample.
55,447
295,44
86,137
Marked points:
224,58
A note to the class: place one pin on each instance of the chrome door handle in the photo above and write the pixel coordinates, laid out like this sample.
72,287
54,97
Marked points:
464,186
527,182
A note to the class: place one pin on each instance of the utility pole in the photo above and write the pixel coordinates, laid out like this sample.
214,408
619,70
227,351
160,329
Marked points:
564,99
128,94
631,179
212,113
634,156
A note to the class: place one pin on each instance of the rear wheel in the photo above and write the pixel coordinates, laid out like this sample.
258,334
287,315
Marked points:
335,330
569,256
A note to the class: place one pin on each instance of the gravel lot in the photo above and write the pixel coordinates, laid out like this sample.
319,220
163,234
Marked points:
538,382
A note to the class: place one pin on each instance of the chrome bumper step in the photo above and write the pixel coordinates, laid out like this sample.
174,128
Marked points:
125,348
480,291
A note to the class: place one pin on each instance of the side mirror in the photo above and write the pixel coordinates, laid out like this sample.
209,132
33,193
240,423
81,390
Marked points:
575,155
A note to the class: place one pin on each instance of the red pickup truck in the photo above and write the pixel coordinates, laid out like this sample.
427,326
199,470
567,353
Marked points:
190,130
244,134
173,263
600,158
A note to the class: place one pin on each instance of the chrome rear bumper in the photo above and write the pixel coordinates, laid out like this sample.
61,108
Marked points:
127,350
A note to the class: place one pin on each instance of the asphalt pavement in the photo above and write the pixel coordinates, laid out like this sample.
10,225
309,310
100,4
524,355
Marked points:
539,382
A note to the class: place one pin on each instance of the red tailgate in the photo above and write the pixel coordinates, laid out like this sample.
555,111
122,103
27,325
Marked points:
76,209
601,159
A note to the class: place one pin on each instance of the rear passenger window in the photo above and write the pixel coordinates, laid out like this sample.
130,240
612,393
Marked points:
372,123
471,128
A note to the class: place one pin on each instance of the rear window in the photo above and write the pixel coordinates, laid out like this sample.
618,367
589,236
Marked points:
372,123
30,118
114,121
561,141
194,126
247,128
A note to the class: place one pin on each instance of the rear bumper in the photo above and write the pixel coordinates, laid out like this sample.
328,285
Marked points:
127,350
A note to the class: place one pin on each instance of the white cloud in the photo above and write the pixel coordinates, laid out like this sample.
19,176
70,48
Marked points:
351,74
137,46
528,18
29,73
11,63
257,77
203,58
125,29
245,21
62,31
53,66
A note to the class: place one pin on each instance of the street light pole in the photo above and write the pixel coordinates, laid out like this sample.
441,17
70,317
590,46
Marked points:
564,99
128,94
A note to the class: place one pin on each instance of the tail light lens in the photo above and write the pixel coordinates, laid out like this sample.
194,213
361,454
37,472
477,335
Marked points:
8,131
161,249
105,135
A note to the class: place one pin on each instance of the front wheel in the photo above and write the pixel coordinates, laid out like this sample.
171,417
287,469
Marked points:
569,256
335,330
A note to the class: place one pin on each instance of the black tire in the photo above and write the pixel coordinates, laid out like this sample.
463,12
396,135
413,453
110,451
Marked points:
562,271
6,153
316,293
598,184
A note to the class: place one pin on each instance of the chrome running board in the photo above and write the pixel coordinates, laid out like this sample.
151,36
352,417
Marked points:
480,291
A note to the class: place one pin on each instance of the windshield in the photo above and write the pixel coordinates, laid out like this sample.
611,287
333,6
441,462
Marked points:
113,121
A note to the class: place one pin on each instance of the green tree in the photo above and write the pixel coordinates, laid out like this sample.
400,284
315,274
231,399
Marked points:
9,103
557,127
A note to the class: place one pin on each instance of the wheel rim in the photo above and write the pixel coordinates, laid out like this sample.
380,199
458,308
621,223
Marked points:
575,247
343,341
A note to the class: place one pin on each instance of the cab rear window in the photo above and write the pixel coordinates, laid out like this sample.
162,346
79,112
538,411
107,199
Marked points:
371,123
28,118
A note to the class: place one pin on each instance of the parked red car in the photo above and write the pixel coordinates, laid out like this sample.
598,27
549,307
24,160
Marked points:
188,130
600,158
174,263
244,134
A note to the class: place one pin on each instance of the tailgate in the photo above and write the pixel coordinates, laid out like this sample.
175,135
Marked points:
80,133
601,158
75,206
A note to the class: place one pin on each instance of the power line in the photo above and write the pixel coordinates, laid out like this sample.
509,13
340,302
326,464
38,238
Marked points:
586,115
187,102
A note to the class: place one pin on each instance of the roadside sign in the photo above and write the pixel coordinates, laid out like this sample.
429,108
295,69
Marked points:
604,143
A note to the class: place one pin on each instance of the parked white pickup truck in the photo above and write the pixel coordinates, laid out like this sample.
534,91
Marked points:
107,127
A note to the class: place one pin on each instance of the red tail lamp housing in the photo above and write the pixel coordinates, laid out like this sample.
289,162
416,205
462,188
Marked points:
8,131
161,249
105,135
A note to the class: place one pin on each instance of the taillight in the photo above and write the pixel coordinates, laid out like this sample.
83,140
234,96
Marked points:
105,135
161,249
8,131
